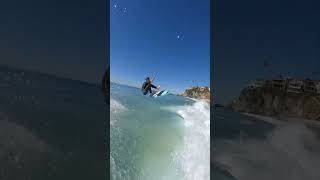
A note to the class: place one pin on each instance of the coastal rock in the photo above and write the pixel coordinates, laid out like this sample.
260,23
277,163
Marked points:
275,102
197,92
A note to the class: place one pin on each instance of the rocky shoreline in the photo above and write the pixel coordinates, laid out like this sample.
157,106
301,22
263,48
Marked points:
273,101
197,92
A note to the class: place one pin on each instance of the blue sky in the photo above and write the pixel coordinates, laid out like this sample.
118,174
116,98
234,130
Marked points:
168,39
64,38
286,33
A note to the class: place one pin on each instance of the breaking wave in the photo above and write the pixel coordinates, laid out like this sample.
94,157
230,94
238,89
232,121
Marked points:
194,156
290,151
158,139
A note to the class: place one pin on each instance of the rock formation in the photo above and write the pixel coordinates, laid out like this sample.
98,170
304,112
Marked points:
276,102
198,93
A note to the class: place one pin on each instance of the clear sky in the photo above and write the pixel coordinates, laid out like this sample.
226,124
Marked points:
66,38
284,33
169,39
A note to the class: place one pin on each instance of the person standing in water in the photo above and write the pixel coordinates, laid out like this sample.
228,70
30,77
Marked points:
147,86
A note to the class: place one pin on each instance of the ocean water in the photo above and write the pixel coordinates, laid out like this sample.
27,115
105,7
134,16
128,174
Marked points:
251,148
166,138
50,128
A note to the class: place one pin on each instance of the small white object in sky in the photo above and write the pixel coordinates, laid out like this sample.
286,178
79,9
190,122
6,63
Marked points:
115,6
178,36
124,10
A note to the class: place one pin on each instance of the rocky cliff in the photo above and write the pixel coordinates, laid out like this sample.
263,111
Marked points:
198,93
276,102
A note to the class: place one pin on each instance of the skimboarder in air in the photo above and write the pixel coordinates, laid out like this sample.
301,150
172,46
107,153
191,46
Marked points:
147,87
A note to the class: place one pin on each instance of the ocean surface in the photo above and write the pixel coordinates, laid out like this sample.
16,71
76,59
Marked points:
50,127
165,138
55,128
251,148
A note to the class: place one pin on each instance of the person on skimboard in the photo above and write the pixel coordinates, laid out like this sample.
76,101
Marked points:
147,87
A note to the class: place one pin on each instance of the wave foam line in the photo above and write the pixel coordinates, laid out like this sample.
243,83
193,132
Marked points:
116,106
194,157
289,152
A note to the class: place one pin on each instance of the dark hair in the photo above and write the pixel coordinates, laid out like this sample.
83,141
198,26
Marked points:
147,78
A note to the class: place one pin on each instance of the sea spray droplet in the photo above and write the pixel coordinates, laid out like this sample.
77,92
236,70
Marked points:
115,106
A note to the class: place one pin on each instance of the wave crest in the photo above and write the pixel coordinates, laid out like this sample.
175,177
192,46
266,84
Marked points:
194,158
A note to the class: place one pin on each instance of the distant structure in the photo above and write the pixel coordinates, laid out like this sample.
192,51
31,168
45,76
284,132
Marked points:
289,85
305,93
258,83
279,82
309,86
295,86
317,84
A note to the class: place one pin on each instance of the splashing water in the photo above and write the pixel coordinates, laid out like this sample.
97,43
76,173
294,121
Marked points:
167,138
282,151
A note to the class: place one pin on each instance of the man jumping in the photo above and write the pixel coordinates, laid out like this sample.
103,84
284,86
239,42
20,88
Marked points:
147,86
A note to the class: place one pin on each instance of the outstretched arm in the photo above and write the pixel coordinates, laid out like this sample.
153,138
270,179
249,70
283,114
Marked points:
153,86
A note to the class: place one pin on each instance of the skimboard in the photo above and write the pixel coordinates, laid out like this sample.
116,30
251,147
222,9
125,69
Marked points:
160,93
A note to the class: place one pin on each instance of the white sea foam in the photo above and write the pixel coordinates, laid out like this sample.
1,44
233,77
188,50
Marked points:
116,106
268,119
290,152
194,157
116,173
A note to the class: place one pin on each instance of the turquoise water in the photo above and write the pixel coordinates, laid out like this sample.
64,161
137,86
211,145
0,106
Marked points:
163,138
